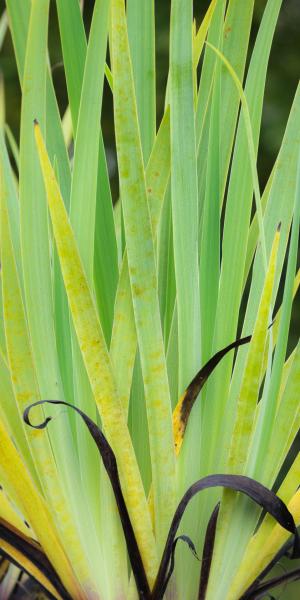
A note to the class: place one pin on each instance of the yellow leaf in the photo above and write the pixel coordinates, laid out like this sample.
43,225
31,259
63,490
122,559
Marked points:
97,362
20,488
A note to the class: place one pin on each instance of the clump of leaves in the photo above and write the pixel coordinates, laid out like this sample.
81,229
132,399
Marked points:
110,308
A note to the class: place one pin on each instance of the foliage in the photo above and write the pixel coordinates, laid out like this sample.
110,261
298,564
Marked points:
112,308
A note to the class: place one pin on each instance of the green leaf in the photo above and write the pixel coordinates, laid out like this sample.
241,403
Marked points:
141,34
97,362
143,278
184,189
73,40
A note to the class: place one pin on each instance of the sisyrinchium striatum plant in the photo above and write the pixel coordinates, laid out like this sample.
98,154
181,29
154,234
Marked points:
143,339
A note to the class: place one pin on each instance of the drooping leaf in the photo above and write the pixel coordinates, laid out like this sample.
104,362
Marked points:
110,464
240,483
185,404
32,555
191,546
265,587
269,539
21,489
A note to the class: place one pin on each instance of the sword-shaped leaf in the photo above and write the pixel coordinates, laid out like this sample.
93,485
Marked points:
97,362
143,276
18,483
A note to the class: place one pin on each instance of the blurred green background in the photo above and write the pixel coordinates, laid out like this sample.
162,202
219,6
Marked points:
283,77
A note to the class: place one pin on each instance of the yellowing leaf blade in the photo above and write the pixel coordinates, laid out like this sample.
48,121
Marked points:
97,362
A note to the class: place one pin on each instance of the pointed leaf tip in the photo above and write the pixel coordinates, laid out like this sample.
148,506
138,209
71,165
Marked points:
207,553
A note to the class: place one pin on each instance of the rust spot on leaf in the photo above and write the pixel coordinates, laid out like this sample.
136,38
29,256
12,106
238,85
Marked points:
227,31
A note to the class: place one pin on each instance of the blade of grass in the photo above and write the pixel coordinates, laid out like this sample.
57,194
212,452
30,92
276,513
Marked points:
35,246
82,215
19,15
141,34
110,464
157,173
90,336
184,189
11,419
249,391
62,324
10,515
286,423
236,35
142,271
98,251
267,410
269,538
253,229
283,212
19,22
224,323
233,41
279,208
275,329
82,218
105,248
209,268
251,149
105,251
234,245
185,220
209,61
73,39
20,488
8,191
124,333
241,436
166,269
124,340
199,40
166,273
26,390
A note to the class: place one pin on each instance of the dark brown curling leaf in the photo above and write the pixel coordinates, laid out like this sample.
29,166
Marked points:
188,541
261,590
240,483
288,550
208,549
110,464
32,552
196,385
193,390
